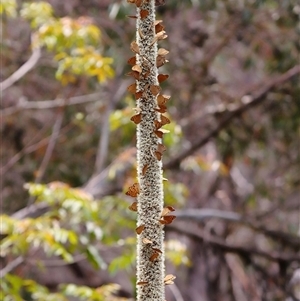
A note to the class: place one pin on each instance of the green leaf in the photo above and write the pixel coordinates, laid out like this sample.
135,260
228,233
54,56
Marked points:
94,258
125,261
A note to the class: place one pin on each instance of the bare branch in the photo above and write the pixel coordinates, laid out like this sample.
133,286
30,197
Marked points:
50,104
28,150
119,90
248,102
202,214
199,215
11,266
25,68
203,236
50,147
31,211
176,292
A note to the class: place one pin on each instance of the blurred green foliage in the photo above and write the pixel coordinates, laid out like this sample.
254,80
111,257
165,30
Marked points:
8,8
75,43
75,223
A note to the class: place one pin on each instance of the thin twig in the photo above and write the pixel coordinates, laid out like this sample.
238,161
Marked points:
25,68
50,147
176,292
11,266
200,215
28,150
105,134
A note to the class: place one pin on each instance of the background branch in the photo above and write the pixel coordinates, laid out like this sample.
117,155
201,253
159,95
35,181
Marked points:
25,68
249,101
203,236
50,104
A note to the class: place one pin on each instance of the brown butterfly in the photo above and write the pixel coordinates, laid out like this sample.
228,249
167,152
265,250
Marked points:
144,169
134,74
161,148
138,95
133,207
138,3
132,61
154,89
159,27
162,77
158,155
167,210
164,120
153,256
137,68
132,88
135,47
160,61
144,13
142,282
136,118
159,134
157,250
147,241
161,109
157,124
162,100
168,219
147,74
169,279
131,17
140,229
162,51
133,190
